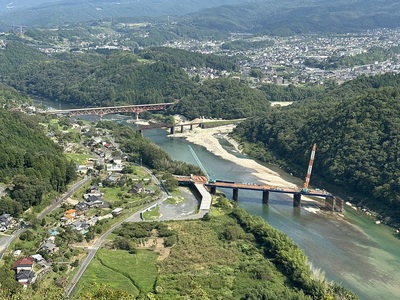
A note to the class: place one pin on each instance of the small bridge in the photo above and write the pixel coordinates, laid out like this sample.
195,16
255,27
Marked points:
172,127
332,202
101,111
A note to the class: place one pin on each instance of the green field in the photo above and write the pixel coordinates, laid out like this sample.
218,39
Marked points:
133,273
222,258
79,159
175,200
152,214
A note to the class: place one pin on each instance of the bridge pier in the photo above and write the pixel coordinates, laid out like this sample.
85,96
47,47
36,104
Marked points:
330,203
213,189
181,128
172,130
137,116
265,197
191,126
334,203
297,200
339,204
235,194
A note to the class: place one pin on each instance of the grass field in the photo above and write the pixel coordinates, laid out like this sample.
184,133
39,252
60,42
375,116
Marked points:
79,159
214,259
133,273
152,214
175,200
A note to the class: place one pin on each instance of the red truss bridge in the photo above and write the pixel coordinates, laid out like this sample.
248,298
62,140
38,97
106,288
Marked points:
101,111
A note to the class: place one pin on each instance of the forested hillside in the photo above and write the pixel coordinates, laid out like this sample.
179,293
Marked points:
155,75
187,59
356,127
30,162
10,98
31,165
117,79
55,12
222,98
203,18
17,54
295,17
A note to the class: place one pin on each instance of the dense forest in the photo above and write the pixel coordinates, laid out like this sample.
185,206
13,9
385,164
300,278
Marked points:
155,75
119,79
31,165
187,59
30,162
222,98
356,127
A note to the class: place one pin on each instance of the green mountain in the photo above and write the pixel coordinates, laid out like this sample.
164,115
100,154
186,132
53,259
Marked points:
29,160
295,17
356,127
154,75
257,16
57,12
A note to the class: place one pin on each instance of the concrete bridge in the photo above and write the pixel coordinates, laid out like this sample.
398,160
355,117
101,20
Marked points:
101,111
172,127
332,202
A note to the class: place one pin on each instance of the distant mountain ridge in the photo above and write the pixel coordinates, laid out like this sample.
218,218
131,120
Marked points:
296,17
255,16
56,12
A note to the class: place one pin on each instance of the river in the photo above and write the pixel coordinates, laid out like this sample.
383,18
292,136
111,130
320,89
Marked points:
350,249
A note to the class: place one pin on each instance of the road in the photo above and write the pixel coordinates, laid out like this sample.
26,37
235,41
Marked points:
133,217
58,201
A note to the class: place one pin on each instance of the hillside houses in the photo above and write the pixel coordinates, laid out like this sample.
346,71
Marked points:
24,270
6,222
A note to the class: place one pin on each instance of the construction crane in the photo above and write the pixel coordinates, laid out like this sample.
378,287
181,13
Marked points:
310,165
200,164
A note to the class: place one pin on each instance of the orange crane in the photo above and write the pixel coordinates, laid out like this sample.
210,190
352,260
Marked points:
310,165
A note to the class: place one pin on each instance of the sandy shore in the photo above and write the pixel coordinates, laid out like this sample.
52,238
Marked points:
208,138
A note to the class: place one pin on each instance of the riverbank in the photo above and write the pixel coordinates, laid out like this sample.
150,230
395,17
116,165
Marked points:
209,138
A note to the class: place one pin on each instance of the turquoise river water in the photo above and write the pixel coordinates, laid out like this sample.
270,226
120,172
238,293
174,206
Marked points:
350,249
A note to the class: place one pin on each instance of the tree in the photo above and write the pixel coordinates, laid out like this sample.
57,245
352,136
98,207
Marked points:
206,217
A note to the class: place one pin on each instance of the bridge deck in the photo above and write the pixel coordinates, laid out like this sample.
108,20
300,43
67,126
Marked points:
167,125
103,110
251,186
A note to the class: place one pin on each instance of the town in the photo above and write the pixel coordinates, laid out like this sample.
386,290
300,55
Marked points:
281,60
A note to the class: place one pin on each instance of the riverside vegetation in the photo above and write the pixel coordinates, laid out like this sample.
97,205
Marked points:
356,128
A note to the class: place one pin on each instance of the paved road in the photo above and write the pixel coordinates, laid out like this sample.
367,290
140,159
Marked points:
58,201
132,218
6,240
